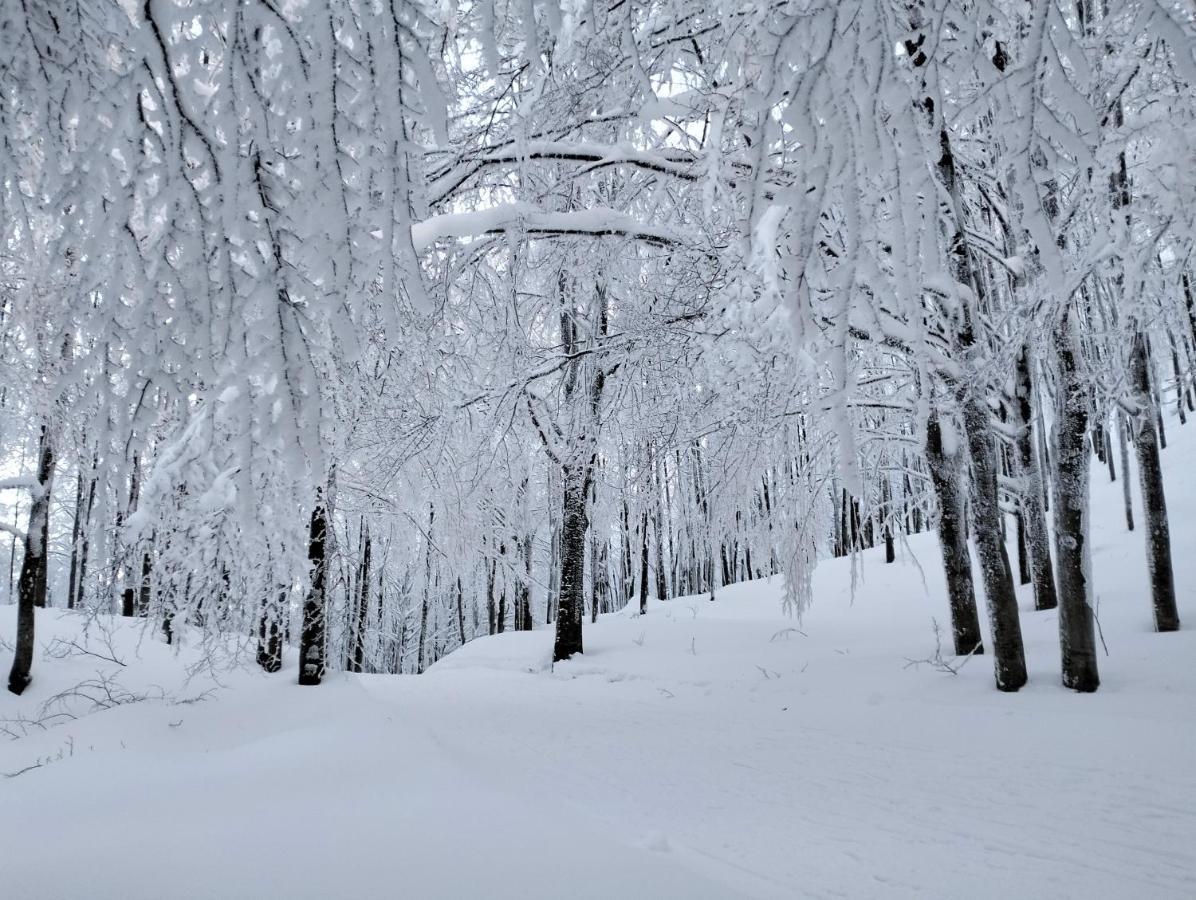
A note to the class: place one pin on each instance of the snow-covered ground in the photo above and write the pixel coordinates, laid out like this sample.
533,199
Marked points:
707,750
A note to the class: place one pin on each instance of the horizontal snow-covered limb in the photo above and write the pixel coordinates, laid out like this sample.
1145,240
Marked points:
21,483
677,164
12,529
526,218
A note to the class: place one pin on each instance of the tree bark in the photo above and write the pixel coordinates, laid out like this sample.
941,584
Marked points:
33,566
957,562
644,562
363,600
312,638
1077,638
1154,501
573,550
662,590
1009,660
128,595
523,591
269,643
1126,490
1033,515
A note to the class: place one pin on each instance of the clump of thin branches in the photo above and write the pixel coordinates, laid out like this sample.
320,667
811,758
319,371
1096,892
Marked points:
938,661
66,751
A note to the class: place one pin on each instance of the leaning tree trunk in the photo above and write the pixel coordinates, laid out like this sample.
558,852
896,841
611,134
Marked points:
1009,659
1033,516
573,557
311,640
1077,638
1154,502
961,593
33,566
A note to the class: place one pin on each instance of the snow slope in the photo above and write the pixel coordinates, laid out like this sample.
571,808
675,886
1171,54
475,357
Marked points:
707,750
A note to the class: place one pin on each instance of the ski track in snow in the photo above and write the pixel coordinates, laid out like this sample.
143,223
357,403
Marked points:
702,751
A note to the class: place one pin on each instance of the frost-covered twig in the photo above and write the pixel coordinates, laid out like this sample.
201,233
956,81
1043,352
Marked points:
60,648
938,662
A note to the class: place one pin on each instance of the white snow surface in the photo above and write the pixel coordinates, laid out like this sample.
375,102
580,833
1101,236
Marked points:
705,750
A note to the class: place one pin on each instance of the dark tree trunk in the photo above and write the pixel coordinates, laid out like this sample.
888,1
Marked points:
1126,490
269,638
597,575
1008,654
957,563
144,589
500,615
523,591
573,551
1023,557
1109,453
129,594
76,528
552,601
312,638
76,599
1033,514
33,566
1009,660
1179,380
423,636
461,611
1154,501
644,562
491,605
363,601
1077,638
887,499
662,589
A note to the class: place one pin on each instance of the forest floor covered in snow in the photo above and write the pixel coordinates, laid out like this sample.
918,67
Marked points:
705,750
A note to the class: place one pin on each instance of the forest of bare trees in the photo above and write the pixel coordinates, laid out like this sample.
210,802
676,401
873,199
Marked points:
372,326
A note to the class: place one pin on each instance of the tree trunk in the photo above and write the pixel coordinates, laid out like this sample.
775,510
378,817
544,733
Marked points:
1126,490
957,563
491,606
423,636
500,615
269,643
523,592
145,587
1023,555
1009,660
128,596
76,528
662,590
33,566
363,600
552,601
461,611
1077,638
311,641
644,562
573,551
1154,501
1033,515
